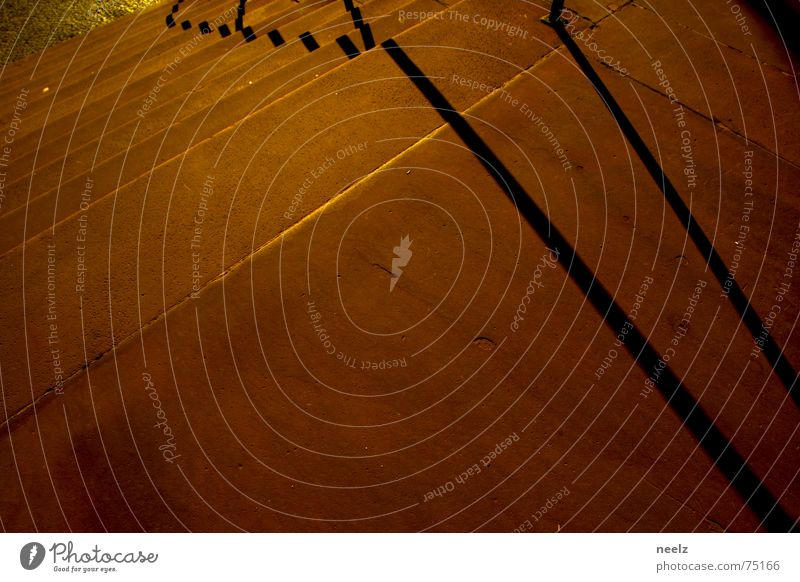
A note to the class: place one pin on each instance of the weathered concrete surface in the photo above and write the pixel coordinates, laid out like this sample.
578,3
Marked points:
81,83
28,28
170,196
304,392
207,109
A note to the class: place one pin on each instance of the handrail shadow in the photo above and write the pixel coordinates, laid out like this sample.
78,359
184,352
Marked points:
749,316
781,15
722,453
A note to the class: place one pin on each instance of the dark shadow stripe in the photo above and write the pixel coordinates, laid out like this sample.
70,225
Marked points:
275,37
309,41
347,45
729,462
774,354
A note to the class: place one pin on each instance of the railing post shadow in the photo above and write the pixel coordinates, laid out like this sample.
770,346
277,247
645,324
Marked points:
554,18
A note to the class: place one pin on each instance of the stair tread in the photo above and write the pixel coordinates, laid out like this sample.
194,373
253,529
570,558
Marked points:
112,105
73,96
290,130
92,48
58,172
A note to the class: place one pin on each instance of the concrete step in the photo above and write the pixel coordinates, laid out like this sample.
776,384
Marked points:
98,119
61,129
284,435
749,108
95,42
73,96
93,49
144,37
141,145
257,168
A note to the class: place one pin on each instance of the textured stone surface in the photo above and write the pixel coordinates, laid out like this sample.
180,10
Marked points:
311,305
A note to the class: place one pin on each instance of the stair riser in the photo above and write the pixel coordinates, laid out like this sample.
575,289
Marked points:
70,93
28,150
259,164
93,47
119,166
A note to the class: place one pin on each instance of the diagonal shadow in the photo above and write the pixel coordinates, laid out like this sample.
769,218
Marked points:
247,31
730,463
360,25
780,15
771,350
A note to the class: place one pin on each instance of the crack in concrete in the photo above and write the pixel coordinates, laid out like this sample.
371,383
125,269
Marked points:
221,275
382,267
218,277
719,42
716,525
717,122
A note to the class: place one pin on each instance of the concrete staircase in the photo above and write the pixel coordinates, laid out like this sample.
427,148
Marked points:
197,235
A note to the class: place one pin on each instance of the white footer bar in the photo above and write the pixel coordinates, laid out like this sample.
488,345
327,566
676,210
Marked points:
400,557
